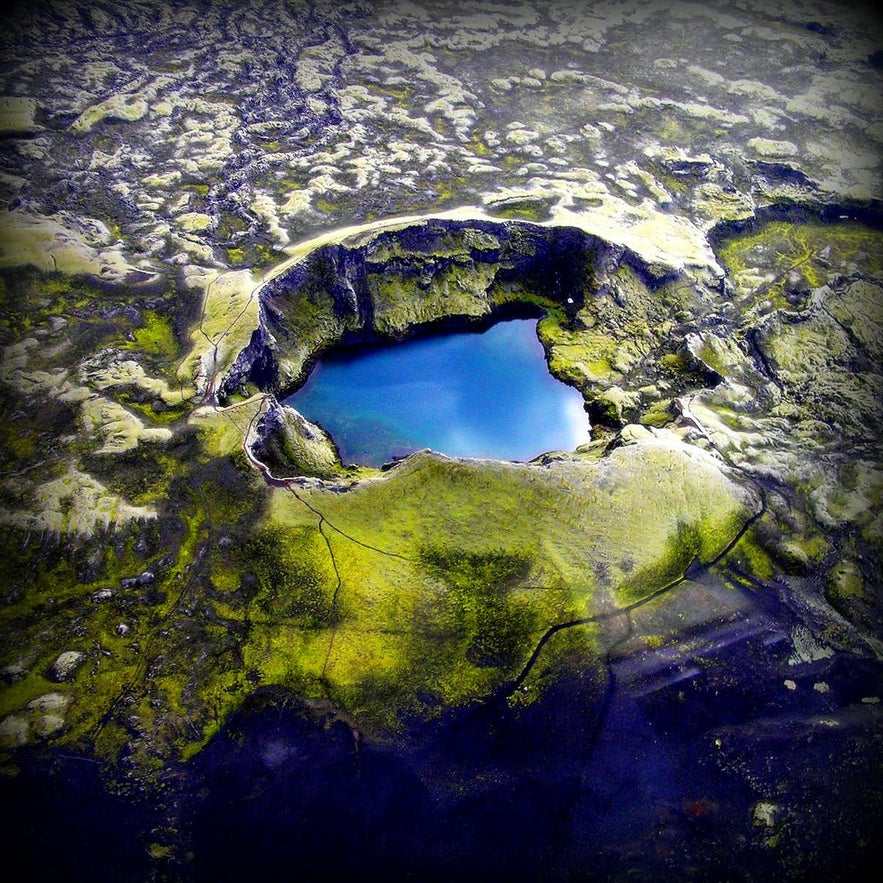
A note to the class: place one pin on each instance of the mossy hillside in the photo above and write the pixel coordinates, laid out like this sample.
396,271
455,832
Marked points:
576,651
527,208
859,311
72,601
155,336
308,318
28,428
62,500
290,578
224,327
426,588
434,241
800,401
824,374
159,650
289,445
620,349
117,427
55,380
222,431
86,316
549,508
852,585
859,497
139,474
480,587
52,244
455,290
524,548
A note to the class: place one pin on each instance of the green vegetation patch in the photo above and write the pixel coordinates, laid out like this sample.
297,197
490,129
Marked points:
289,575
777,260
450,572
481,589
155,335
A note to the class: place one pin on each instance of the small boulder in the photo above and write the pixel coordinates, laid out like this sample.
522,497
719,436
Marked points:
66,665
49,702
14,730
13,672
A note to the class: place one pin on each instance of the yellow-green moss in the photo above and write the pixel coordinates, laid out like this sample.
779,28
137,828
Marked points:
430,613
751,557
779,254
658,414
155,336
845,581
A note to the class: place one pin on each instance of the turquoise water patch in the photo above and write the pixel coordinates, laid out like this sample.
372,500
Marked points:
487,394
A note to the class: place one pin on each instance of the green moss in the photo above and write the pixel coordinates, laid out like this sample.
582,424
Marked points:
771,259
658,414
481,585
158,415
431,623
580,357
750,556
155,336
676,363
685,547
139,475
528,208
292,578
845,582
401,596
478,147
573,652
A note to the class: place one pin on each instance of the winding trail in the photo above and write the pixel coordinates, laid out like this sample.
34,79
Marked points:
626,611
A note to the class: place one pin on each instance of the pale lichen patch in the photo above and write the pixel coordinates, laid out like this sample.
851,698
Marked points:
74,503
17,115
119,429
61,245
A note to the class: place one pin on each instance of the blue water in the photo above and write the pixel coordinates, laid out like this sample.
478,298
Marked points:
465,395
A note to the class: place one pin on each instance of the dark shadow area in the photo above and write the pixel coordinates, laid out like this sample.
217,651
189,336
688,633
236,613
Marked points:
59,823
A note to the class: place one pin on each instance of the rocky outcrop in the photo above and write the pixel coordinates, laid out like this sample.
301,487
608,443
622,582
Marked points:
288,444
66,665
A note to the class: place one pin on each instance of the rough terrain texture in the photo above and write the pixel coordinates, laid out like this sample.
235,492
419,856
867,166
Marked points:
224,652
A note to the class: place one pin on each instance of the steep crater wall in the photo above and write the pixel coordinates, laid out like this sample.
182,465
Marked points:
612,323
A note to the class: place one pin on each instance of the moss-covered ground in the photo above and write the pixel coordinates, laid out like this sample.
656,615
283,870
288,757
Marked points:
775,264
391,596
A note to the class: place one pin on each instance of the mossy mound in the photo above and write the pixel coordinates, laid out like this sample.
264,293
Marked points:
450,572
289,445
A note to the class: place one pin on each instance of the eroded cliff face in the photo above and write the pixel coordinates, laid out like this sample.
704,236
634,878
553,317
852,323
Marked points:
609,325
